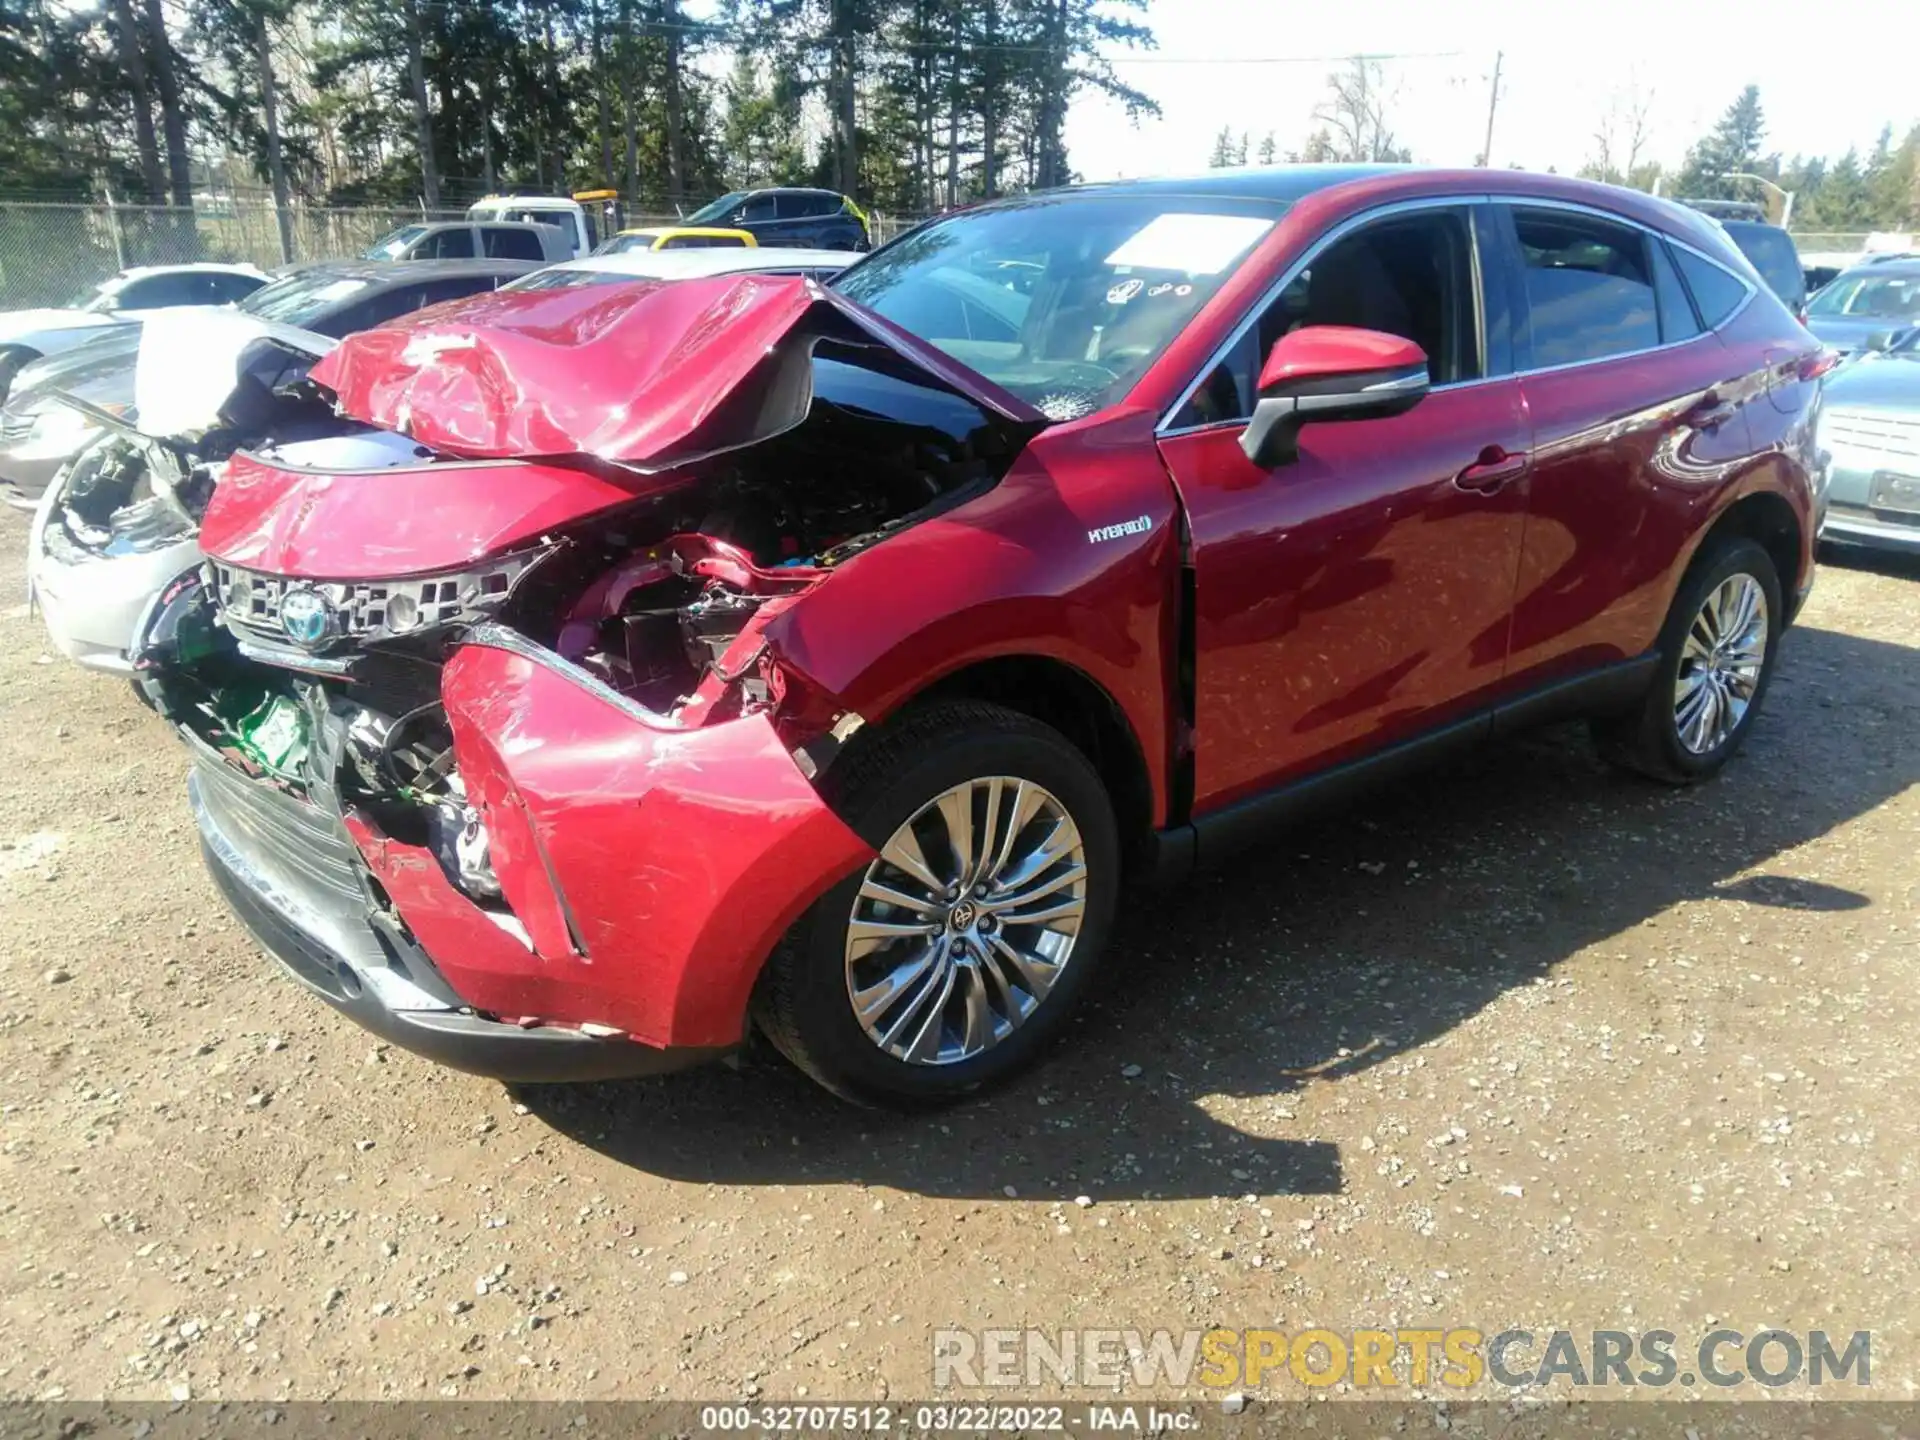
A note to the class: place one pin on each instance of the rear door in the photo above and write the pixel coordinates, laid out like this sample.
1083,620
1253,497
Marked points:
1359,595
1637,410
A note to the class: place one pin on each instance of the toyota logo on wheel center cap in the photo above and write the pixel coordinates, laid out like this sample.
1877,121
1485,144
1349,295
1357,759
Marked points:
306,616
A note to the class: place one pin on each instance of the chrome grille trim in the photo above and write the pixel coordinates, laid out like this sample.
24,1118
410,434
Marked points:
252,600
1871,430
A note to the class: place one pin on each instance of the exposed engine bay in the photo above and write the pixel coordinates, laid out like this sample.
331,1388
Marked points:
331,690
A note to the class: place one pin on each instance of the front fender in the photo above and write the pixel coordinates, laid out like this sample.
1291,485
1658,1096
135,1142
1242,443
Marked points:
1074,556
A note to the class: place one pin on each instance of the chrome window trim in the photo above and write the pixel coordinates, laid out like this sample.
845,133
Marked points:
1166,429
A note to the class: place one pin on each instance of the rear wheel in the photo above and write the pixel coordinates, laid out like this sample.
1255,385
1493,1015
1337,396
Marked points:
1717,654
951,960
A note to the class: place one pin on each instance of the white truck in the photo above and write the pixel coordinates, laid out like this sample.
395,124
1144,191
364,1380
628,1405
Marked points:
575,217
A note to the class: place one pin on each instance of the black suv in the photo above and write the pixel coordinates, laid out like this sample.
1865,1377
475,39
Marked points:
789,216
1774,255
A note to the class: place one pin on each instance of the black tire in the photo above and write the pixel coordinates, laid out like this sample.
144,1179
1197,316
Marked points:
1647,738
802,1003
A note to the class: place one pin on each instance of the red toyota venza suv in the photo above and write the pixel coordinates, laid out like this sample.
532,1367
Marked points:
603,665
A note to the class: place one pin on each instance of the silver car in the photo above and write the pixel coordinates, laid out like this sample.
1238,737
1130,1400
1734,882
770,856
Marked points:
1870,431
1880,295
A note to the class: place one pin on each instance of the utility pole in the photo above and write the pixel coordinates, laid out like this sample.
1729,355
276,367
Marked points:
1493,104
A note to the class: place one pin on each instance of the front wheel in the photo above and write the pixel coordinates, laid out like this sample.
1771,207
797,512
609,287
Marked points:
1717,654
952,959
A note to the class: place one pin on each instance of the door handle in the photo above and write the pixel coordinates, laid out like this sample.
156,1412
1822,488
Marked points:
1710,413
1496,467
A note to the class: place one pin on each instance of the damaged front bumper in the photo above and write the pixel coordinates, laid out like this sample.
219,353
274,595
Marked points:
293,875
646,872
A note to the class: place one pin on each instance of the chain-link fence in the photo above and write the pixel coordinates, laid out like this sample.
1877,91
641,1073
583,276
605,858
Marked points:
50,254
1852,242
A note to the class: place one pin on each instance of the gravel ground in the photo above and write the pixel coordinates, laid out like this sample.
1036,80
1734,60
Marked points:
1523,1043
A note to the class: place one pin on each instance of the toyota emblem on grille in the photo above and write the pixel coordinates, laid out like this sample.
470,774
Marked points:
306,616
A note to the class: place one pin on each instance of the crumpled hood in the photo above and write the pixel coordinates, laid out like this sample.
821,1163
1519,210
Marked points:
191,360
644,373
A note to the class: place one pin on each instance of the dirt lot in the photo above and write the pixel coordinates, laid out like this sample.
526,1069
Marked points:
1524,1043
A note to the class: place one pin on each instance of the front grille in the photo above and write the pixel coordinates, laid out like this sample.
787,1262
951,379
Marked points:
370,609
284,834
1889,434
16,427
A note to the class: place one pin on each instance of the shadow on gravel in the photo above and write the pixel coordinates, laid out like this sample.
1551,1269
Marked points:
1339,945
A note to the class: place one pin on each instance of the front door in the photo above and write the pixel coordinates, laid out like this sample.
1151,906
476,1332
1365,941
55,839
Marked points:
1361,593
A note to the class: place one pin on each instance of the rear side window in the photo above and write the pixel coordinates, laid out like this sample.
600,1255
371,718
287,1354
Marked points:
505,244
233,287
1590,291
1677,320
1717,293
448,245
150,292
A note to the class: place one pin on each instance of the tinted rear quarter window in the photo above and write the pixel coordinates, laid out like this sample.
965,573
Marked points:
1717,293
1590,290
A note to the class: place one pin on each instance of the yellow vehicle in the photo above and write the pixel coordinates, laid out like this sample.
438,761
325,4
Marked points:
675,237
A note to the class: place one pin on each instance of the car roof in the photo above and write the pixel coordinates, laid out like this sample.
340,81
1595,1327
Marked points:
1900,265
709,260
192,268
390,273
463,224
1285,183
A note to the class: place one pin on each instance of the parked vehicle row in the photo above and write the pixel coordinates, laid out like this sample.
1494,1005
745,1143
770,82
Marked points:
582,672
27,335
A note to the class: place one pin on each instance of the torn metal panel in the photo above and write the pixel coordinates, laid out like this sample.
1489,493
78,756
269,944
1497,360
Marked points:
671,859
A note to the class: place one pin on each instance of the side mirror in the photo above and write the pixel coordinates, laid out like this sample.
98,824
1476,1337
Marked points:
1880,341
1330,372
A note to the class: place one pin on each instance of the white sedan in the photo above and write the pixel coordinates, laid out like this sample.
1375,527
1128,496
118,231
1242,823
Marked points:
26,335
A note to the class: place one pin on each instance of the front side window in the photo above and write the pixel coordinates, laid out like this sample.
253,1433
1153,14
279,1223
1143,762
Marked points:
1410,276
302,299
1589,284
713,210
757,209
393,245
1109,281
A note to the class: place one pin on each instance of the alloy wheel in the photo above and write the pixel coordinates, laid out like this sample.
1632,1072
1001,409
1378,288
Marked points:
966,920
1720,664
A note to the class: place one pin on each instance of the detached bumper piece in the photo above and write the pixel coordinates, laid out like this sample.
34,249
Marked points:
292,873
